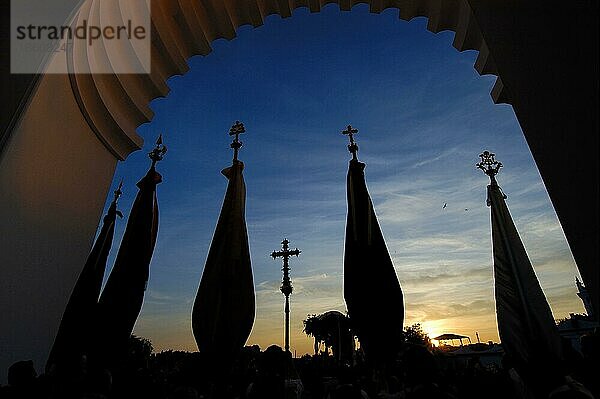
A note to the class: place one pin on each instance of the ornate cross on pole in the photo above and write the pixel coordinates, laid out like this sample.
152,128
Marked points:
236,130
158,152
286,284
352,147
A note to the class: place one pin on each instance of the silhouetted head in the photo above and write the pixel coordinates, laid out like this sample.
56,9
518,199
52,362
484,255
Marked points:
394,384
590,345
21,374
273,361
346,392
99,381
420,364
571,389
184,393
346,375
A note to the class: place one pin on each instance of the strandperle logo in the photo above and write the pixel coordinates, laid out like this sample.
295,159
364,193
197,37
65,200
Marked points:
75,36
84,31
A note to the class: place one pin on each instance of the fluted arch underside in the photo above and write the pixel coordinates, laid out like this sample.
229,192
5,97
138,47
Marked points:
116,105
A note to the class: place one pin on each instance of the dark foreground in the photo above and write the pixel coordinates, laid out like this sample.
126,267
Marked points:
476,371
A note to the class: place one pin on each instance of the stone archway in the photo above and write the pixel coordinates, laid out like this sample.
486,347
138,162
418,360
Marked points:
58,157
116,105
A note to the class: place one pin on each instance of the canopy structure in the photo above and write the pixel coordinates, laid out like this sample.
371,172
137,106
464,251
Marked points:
224,308
333,329
452,337
121,300
371,288
525,322
78,319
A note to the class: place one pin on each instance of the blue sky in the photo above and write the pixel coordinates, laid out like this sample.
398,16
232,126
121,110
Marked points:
423,114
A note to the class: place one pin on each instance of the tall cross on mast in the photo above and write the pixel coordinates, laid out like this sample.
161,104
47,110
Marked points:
286,284
236,130
352,147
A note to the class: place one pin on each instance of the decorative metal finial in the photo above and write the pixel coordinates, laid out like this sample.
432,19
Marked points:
286,284
352,147
118,191
236,130
158,153
489,165
112,210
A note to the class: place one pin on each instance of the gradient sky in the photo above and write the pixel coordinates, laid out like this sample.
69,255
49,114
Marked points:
424,116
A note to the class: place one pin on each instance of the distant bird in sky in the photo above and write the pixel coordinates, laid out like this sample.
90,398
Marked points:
444,207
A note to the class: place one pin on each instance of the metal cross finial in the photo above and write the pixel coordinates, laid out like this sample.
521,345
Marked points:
286,284
352,147
118,191
489,165
158,153
236,130
113,205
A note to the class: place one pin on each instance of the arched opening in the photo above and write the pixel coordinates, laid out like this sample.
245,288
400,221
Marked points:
424,115
46,198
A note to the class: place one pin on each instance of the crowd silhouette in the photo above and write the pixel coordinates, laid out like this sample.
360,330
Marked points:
420,371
